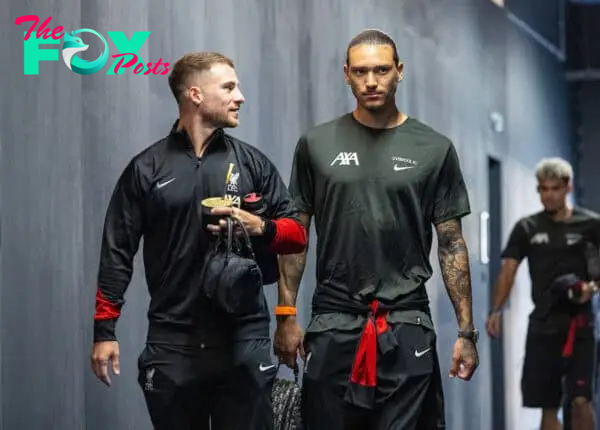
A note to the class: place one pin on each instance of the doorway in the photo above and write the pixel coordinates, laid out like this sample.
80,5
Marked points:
495,250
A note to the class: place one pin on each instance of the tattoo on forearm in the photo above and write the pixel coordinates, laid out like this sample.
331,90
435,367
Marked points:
292,268
454,263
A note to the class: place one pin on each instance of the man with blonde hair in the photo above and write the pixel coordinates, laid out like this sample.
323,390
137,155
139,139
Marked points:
204,365
561,244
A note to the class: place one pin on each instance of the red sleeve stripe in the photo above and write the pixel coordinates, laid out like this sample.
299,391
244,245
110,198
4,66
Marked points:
290,236
105,310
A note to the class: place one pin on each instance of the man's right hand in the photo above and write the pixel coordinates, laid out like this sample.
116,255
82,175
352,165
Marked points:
102,354
289,341
494,324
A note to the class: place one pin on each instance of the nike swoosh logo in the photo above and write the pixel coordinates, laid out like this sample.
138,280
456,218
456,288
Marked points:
264,368
159,185
421,353
398,168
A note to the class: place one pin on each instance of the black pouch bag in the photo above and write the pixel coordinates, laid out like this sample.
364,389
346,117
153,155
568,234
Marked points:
231,276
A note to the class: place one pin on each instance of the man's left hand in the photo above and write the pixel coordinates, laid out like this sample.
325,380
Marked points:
465,359
253,223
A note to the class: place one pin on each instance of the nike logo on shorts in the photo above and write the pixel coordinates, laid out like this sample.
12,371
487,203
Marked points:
421,353
263,368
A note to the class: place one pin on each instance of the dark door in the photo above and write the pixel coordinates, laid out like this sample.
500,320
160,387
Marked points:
495,248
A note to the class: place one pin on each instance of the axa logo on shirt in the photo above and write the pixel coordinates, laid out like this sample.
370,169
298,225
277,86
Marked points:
540,238
128,50
345,159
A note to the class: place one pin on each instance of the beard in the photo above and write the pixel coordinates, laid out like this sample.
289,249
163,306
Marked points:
218,118
375,108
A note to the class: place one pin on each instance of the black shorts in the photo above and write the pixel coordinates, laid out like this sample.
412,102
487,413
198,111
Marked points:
408,395
548,376
202,389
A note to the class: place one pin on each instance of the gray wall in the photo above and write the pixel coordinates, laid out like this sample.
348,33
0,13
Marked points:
65,138
588,108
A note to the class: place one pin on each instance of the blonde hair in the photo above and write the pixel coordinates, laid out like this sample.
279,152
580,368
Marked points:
554,168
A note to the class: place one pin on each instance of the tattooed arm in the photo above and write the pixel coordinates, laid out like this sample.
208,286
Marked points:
288,334
454,262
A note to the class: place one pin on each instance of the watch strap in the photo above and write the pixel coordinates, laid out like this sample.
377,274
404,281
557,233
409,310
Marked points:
469,334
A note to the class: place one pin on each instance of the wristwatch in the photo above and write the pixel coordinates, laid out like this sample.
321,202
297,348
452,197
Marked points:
472,335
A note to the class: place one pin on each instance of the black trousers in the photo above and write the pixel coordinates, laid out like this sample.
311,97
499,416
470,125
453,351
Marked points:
409,392
208,388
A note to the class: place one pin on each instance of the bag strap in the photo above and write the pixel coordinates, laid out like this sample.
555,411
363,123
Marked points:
229,234
244,242
230,239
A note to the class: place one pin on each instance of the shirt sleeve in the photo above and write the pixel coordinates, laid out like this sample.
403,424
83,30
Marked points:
451,196
276,195
516,247
285,232
301,180
123,227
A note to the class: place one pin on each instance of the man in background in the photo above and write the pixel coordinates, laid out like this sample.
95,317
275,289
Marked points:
559,242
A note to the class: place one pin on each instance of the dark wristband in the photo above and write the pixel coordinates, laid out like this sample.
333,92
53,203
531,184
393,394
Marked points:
270,230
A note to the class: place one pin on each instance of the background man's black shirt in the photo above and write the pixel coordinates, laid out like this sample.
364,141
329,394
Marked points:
374,195
554,248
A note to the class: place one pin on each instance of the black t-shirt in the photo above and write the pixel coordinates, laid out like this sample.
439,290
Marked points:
375,194
554,248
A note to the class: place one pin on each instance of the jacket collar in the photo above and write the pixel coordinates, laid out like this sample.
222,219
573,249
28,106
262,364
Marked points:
216,140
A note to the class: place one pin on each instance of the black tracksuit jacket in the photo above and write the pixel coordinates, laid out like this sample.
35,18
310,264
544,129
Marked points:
157,198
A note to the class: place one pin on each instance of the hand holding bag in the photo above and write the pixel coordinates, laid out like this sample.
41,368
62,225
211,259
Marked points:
231,277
